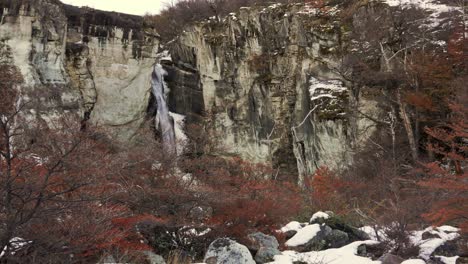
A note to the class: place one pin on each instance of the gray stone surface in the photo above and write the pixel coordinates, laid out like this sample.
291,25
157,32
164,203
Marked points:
265,255
227,251
259,240
252,72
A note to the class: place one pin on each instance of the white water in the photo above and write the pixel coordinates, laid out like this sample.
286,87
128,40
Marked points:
163,119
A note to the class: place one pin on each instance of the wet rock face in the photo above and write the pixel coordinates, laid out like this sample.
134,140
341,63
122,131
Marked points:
252,72
96,70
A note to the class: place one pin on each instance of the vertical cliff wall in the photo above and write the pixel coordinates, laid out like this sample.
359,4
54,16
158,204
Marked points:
267,79
92,64
33,39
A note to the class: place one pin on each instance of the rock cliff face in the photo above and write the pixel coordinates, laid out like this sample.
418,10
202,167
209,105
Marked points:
267,78
91,64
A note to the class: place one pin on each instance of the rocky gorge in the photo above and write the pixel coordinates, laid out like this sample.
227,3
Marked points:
266,77
298,107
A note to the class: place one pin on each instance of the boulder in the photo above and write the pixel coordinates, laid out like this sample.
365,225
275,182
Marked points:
227,251
372,251
337,239
429,235
154,258
259,240
266,254
333,221
311,238
318,237
200,213
289,234
451,248
391,259
320,217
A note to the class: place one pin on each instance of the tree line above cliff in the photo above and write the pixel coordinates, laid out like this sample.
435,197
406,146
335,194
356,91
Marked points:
174,17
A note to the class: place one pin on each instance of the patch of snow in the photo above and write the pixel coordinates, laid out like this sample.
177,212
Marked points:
320,89
377,234
447,260
303,235
448,229
274,6
318,215
414,261
344,255
16,244
428,246
436,9
164,56
194,232
292,226
309,10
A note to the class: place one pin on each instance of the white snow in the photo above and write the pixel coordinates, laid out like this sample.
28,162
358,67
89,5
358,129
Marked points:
428,246
374,233
448,229
16,244
447,260
320,89
344,255
164,56
431,6
292,226
194,232
303,235
319,215
414,261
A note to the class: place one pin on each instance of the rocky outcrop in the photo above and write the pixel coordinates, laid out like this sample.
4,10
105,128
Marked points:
32,38
94,65
227,251
267,78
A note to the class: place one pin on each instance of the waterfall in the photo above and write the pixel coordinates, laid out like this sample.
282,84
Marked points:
163,119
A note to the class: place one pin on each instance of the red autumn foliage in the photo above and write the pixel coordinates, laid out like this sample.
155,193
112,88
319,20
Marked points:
330,192
457,44
245,198
448,177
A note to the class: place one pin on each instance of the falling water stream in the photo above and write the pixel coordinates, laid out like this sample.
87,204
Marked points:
163,119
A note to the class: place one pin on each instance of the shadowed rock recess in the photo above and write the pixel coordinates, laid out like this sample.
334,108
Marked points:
265,78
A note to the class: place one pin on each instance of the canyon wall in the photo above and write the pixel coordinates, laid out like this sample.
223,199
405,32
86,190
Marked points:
91,64
267,78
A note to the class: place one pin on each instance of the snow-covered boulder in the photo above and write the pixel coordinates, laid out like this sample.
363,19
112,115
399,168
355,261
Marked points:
431,238
317,237
291,229
305,236
343,255
259,240
227,251
319,217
